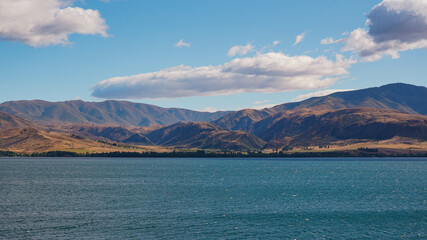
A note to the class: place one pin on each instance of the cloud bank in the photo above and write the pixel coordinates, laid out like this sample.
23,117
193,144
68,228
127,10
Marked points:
47,22
270,72
394,26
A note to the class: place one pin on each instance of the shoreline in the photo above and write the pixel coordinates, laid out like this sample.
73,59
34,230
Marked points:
203,154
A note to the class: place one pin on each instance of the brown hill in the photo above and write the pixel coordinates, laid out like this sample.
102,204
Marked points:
31,139
113,133
204,135
138,139
9,121
243,120
115,113
322,127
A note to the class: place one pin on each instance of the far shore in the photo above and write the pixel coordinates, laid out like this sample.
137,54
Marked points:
227,154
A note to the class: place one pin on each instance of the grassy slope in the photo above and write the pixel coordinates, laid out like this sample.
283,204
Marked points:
35,140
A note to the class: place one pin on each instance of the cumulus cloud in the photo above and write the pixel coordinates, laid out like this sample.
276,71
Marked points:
320,94
281,65
181,43
270,72
299,38
47,22
240,50
394,26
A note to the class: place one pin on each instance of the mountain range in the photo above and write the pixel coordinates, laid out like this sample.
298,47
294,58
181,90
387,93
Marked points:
370,115
123,113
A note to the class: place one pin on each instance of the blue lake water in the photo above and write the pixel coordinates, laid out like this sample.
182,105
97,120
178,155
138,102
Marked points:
105,198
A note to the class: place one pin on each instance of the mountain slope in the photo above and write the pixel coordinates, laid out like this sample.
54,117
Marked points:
243,120
122,113
399,96
321,127
402,97
204,135
113,133
31,139
9,121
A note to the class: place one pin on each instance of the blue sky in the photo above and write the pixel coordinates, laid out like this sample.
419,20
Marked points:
140,37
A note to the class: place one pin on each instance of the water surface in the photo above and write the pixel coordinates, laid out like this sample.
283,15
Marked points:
105,198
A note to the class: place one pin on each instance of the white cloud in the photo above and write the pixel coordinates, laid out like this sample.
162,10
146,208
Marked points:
275,43
284,66
270,72
299,38
181,43
240,50
320,94
394,26
47,22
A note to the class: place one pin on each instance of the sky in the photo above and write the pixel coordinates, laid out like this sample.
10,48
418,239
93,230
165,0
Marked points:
207,55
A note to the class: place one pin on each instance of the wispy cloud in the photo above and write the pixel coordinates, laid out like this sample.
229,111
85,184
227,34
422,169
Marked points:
320,94
47,22
181,44
275,43
259,107
261,102
299,38
270,72
240,50
330,40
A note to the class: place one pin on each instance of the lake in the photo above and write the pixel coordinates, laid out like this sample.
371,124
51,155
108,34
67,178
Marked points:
123,198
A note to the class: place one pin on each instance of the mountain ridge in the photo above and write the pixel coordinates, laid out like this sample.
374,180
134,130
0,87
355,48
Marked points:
398,96
108,112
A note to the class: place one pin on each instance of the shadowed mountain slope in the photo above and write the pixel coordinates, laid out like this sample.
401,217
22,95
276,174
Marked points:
113,133
204,135
10,121
122,113
320,127
243,120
